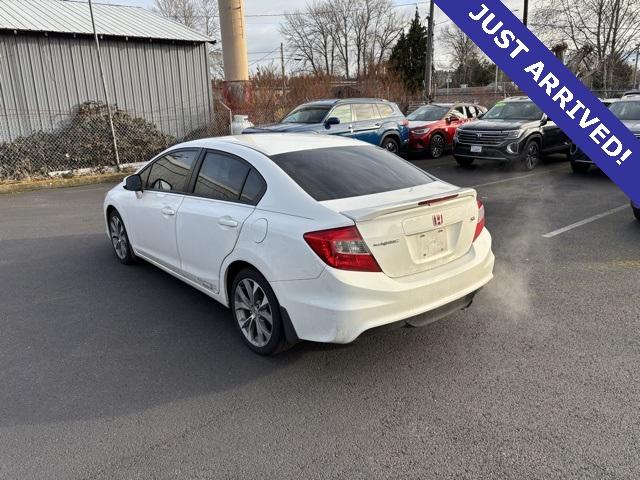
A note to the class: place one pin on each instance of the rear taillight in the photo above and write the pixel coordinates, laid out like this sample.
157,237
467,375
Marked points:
480,224
342,248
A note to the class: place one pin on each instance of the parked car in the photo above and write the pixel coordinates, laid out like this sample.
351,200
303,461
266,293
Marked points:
636,210
514,130
628,111
371,120
432,127
631,93
304,237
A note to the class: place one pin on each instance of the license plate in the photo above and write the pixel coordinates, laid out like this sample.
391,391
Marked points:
433,243
476,149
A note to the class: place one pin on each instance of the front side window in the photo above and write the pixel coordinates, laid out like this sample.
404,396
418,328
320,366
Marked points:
363,111
221,177
170,172
307,114
457,113
343,172
342,113
514,111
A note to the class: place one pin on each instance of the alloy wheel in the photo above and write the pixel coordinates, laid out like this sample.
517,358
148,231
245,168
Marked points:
533,152
253,312
437,146
391,145
118,237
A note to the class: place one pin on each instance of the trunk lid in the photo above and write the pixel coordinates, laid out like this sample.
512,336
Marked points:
414,230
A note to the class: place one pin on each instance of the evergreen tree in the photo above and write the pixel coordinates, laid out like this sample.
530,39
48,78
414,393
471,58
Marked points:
409,54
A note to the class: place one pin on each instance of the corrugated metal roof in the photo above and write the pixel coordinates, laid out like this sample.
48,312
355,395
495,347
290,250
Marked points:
67,16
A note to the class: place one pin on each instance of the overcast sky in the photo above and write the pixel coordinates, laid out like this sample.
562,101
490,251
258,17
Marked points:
263,34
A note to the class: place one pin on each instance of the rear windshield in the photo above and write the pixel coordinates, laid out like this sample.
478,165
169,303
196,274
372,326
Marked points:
343,172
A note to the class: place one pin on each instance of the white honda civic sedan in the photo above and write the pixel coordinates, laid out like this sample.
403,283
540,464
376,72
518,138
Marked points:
304,237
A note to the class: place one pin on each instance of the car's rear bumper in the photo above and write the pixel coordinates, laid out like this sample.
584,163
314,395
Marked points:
339,305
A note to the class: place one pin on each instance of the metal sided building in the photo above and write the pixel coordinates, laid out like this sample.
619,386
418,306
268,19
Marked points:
155,68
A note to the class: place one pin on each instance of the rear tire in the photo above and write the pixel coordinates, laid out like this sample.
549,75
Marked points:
391,144
256,313
530,156
120,239
465,162
579,167
437,146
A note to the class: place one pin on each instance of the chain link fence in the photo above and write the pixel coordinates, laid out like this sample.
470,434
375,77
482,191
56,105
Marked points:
80,141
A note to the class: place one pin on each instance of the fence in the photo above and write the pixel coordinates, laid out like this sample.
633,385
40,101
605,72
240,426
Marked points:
82,140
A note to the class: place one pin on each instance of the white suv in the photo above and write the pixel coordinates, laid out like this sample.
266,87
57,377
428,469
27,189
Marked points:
304,237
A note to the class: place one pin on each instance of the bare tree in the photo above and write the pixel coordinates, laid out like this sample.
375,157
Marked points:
337,35
183,11
601,33
461,50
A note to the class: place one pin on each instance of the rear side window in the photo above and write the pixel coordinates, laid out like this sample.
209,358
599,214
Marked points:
221,177
343,172
170,172
385,110
253,189
364,111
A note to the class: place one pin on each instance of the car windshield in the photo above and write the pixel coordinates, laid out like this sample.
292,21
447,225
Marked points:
307,114
514,111
429,113
626,110
344,172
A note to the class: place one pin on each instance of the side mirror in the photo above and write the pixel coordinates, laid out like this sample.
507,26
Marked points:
452,119
133,183
544,121
332,121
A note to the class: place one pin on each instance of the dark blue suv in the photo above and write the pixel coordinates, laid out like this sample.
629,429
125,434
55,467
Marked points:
368,119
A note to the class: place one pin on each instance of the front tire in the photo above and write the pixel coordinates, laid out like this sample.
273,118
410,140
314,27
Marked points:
465,162
256,312
391,144
437,146
120,239
530,156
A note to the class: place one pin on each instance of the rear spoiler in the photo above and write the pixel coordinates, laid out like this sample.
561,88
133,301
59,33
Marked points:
369,213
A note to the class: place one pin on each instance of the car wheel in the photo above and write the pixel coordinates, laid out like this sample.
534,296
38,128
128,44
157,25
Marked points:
636,211
465,162
391,144
437,146
579,167
256,313
531,155
120,239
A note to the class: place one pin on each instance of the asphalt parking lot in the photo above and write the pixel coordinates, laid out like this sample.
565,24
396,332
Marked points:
110,372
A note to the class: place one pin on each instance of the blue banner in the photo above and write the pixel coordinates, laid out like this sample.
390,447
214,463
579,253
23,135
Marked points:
539,73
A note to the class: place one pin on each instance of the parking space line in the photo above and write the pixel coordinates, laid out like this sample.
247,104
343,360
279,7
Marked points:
505,180
585,221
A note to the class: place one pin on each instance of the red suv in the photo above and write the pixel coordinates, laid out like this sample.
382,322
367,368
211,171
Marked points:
432,127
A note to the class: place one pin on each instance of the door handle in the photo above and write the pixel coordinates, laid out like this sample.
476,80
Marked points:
168,211
377,125
227,222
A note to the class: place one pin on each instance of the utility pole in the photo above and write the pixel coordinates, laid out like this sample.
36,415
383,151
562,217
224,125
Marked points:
428,71
284,86
636,83
104,88
525,14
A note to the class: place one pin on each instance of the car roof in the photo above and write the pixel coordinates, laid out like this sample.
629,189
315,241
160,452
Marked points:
335,101
275,143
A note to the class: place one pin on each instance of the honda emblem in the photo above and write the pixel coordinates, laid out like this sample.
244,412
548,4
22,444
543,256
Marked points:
438,220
